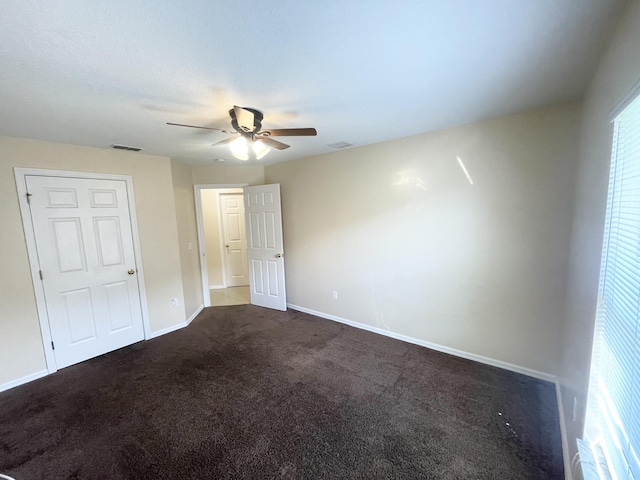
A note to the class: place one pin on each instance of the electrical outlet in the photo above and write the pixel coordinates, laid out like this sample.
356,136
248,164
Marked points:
189,246
174,302
335,295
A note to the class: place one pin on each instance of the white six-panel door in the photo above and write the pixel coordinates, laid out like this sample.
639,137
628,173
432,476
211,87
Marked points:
85,249
235,239
265,246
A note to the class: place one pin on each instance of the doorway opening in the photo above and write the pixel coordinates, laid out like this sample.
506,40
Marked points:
223,245
260,220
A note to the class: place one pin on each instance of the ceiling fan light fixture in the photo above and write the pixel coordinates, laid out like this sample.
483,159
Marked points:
260,149
247,123
239,148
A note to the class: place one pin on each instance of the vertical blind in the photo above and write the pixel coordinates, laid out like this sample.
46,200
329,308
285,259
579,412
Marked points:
613,419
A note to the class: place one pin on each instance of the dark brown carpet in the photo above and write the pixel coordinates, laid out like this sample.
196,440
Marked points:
246,392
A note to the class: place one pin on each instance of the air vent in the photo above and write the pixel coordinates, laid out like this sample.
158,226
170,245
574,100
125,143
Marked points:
339,145
117,146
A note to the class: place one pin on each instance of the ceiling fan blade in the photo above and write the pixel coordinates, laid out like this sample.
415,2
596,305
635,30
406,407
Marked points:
273,143
196,126
288,132
244,118
226,141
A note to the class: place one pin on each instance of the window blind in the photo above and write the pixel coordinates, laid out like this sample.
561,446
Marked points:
613,418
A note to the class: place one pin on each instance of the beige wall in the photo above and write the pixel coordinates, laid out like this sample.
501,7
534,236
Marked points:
187,236
223,174
618,71
21,350
412,247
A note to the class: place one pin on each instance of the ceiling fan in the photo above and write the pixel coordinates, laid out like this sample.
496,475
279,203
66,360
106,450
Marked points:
247,123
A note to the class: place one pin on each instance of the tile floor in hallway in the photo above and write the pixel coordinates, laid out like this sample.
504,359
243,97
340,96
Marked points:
230,296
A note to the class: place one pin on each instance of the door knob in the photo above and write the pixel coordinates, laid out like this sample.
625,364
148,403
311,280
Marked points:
131,271
279,255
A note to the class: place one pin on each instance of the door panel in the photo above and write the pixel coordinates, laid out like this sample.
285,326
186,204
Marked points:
68,247
85,248
254,230
234,237
78,313
103,198
61,198
265,249
257,285
119,304
108,241
272,275
270,230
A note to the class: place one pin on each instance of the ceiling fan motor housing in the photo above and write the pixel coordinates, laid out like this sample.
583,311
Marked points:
244,129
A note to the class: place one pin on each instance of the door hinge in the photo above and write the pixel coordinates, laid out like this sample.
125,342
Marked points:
29,195
41,277
53,347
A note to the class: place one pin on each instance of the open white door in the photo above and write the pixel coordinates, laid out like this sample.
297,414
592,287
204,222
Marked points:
265,247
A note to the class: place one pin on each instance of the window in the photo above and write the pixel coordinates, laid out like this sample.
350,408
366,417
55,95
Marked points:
613,417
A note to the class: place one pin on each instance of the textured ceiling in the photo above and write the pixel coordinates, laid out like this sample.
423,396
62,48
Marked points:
97,73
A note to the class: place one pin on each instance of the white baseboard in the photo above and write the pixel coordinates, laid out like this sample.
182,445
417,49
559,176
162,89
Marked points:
173,328
195,314
23,380
216,287
469,356
568,474
164,331
44,373
434,346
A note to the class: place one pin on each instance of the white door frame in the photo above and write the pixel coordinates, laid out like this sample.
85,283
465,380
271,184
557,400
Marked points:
204,273
32,252
223,253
